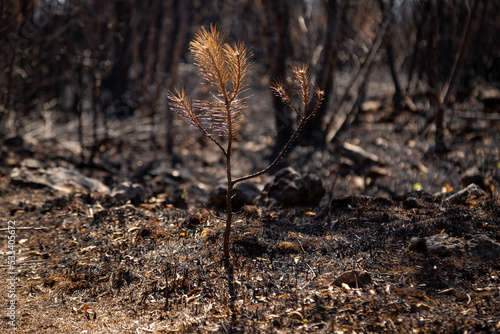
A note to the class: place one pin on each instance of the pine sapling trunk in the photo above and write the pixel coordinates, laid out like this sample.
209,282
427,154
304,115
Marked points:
230,184
229,219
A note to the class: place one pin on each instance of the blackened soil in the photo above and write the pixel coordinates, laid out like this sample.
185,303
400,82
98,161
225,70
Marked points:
88,262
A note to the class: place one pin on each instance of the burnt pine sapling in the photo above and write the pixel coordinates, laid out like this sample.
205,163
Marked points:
225,68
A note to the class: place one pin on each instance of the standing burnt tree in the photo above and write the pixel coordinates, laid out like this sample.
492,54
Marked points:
100,61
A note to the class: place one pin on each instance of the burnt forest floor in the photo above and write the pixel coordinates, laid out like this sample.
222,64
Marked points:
386,250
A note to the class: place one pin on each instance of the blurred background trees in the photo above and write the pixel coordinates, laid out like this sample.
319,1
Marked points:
89,62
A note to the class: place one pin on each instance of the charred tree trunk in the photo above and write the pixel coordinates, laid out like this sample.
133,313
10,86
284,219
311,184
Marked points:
149,74
364,67
313,131
418,40
389,49
178,50
277,10
444,95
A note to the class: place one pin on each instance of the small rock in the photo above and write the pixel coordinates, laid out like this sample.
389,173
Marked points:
417,245
58,178
285,187
443,245
313,189
353,278
479,246
128,191
473,175
244,193
482,247
290,188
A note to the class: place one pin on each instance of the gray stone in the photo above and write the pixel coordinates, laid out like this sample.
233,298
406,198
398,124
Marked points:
482,247
479,246
290,188
128,191
243,193
443,245
473,175
58,178
417,245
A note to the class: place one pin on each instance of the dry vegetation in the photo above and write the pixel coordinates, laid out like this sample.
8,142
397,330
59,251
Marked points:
120,207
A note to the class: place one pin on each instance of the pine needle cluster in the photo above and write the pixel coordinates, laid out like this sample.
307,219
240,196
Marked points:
225,68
